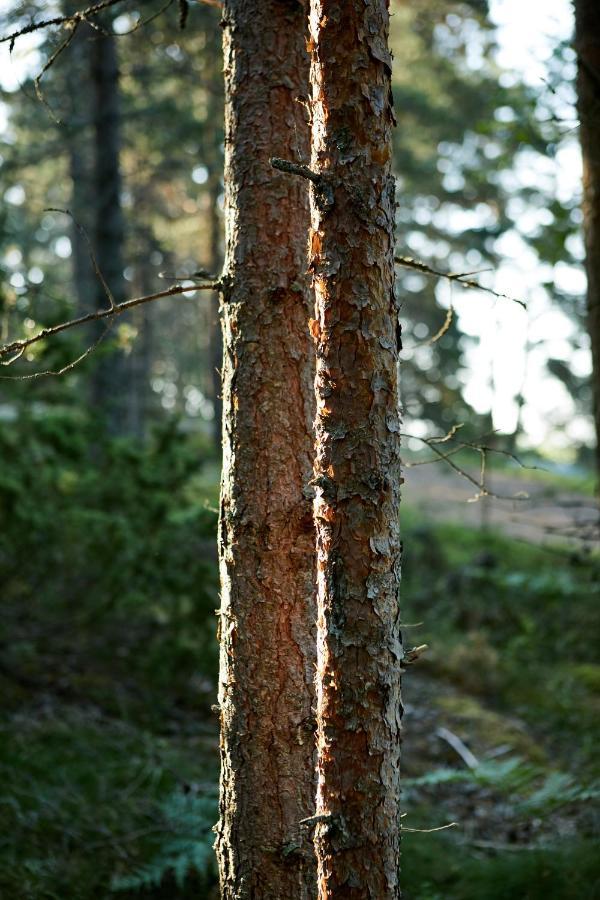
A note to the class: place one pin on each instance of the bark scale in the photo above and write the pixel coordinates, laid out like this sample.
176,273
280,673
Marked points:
587,45
357,466
266,542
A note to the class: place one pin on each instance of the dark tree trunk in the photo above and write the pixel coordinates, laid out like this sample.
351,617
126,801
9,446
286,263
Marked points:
587,45
84,279
80,152
109,382
266,533
357,453
214,79
215,343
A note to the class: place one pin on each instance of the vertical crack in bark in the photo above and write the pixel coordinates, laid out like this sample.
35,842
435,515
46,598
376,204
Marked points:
357,467
266,536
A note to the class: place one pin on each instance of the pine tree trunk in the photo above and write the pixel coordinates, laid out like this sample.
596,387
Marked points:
357,457
266,533
109,382
587,45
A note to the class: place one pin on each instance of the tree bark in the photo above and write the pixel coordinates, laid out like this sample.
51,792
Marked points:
109,382
587,45
266,542
357,467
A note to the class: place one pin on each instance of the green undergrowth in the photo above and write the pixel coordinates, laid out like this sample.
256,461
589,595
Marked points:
511,625
438,867
90,808
108,747
108,564
512,671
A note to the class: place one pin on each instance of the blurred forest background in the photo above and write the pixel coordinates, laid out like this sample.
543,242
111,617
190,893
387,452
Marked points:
109,475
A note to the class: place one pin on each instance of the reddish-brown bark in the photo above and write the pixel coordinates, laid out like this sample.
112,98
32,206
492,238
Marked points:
357,461
587,45
266,532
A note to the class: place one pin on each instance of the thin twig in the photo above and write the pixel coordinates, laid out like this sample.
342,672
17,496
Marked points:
442,331
446,458
142,22
115,310
482,489
37,80
57,372
429,830
459,278
448,436
78,16
92,255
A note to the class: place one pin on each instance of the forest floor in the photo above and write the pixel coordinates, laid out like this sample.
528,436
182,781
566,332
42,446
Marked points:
521,504
109,750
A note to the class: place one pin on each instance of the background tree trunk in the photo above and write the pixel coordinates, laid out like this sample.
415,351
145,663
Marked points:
358,453
587,45
266,532
109,382
77,129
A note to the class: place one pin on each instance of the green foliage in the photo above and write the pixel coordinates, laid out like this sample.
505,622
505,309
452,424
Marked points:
537,792
512,628
85,799
108,660
436,867
117,540
511,623
187,849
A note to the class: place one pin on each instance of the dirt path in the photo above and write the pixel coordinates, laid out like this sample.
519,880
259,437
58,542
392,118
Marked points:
529,509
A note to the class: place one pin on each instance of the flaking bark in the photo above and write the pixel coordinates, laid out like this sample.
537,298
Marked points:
587,45
357,468
266,532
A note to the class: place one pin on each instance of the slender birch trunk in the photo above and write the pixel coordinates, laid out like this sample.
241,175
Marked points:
587,45
357,453
266,539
